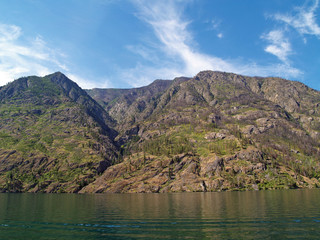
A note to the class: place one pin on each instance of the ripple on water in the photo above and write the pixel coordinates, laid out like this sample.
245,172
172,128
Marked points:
256,215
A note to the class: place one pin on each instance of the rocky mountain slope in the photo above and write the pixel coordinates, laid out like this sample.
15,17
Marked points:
214,132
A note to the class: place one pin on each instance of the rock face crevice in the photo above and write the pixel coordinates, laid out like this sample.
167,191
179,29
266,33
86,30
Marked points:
216,131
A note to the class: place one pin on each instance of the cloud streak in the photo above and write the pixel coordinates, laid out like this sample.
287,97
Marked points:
177,43
171,30
303,19
33,58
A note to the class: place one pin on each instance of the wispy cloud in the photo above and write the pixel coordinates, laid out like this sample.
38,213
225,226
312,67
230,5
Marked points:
30,57
279,45
177,43
303,19
166,19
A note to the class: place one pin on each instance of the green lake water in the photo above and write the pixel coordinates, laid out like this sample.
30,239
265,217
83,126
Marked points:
289,214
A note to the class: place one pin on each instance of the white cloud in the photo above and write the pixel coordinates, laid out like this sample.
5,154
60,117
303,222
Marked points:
32,57
182,58
166,21
220,35
279,45
303,19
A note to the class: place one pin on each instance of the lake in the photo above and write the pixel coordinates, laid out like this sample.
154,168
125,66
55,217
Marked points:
287,214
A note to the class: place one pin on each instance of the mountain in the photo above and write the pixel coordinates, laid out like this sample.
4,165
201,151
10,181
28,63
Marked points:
220,131
216,131
53,136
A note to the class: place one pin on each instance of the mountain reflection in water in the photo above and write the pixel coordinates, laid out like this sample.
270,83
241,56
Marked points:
293,214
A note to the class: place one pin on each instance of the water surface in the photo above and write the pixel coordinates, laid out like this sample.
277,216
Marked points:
289,214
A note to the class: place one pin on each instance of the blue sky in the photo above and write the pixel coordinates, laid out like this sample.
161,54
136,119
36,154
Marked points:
130,43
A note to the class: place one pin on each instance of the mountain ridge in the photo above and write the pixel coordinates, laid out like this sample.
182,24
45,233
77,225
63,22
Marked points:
216,131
